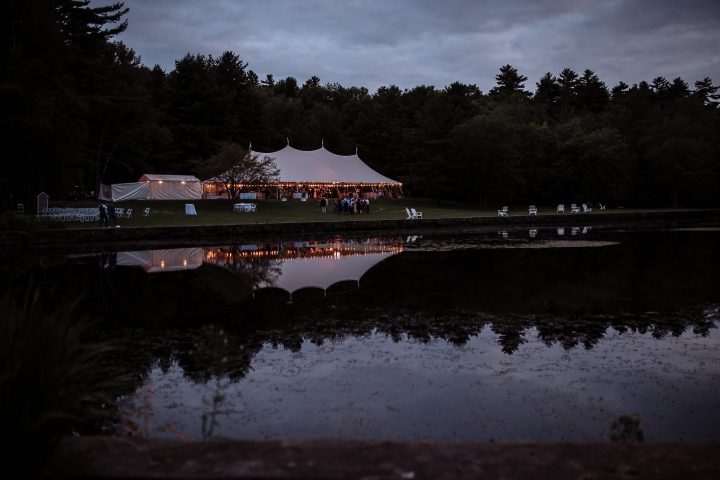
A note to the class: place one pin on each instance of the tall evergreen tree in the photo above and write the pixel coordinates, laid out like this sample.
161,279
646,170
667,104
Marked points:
707,92
592,94
509,83
547,91
568,81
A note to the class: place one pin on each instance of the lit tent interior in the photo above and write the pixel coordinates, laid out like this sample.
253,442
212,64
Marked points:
155,187
318,168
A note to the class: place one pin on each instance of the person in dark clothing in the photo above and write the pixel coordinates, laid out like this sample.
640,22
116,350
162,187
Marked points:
323,205
103,214
111,214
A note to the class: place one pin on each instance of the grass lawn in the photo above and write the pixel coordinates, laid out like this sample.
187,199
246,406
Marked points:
219,212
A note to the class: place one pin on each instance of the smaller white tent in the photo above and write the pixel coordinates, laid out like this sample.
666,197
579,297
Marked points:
169,260
155,187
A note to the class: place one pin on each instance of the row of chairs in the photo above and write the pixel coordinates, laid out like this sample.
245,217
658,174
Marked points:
532,233
59,214
532,209
575,209
83,214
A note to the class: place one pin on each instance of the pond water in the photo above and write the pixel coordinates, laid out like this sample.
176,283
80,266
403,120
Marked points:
540,335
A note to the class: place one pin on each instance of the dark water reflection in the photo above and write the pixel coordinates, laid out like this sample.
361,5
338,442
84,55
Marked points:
540,335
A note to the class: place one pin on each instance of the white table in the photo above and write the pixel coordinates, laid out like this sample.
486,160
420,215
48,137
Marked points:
243,207
190,209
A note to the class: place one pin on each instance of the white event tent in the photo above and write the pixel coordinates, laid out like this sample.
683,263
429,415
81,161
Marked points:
320,168
155,187
323,167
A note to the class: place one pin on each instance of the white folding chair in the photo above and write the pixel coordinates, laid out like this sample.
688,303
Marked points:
146,212
560,208
503,212
532,210
416,215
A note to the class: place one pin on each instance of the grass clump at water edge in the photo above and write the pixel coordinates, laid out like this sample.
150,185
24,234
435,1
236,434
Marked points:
44,359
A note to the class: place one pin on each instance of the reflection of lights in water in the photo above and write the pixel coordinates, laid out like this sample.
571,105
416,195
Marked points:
162,263
333,250
184,262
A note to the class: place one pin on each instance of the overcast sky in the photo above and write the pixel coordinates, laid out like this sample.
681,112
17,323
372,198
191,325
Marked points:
422,42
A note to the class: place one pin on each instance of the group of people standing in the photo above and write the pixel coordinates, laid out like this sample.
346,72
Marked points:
107,214
348,204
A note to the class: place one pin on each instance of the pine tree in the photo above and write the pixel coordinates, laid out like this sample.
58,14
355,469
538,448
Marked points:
86,26
706,91
592,94
509,83
548,91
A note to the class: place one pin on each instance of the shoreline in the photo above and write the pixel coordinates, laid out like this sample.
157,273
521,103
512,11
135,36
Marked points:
129,457
168,235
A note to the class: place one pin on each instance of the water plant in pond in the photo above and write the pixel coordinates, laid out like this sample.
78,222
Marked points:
626,428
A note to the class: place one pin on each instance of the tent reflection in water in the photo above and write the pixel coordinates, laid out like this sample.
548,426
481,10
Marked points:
168,260
300,273
289,274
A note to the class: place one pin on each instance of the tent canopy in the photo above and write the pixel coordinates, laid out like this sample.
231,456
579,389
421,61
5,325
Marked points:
155,177
173,187
153,186
322,166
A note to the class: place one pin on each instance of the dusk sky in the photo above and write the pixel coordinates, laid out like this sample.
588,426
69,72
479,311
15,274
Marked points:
414,42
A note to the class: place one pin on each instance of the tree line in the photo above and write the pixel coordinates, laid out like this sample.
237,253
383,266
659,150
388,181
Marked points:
79,108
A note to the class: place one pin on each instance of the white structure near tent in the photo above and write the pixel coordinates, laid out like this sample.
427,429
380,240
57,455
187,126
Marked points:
154,187
168,260
320,169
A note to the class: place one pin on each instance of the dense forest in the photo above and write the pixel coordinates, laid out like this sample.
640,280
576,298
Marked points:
79,107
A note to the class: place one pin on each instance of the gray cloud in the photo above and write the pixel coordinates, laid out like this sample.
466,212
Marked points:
372,43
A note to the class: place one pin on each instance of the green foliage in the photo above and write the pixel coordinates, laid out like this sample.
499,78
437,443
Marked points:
234,166
45,365
79,108
509,83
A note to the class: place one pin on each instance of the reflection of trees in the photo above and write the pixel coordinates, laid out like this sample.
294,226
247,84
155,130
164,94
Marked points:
224,353
251,271
215,402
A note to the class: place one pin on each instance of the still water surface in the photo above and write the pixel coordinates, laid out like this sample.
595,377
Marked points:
509,336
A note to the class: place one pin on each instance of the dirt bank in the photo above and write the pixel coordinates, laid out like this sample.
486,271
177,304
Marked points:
112,457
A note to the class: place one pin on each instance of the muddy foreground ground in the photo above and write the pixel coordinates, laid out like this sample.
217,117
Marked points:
113,457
